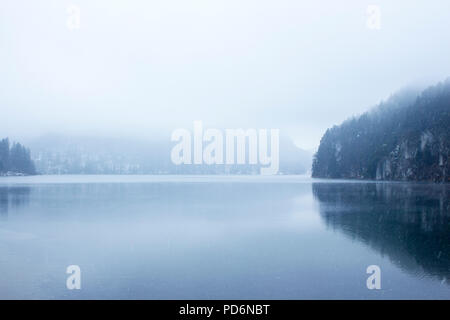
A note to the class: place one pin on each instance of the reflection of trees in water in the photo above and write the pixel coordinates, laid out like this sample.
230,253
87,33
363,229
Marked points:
410,223
12,197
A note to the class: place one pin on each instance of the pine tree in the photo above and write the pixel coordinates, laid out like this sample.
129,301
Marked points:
15,159
4,155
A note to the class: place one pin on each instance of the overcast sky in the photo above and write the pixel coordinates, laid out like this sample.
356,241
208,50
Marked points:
138,66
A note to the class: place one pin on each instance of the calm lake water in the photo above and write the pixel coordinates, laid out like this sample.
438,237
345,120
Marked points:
222,237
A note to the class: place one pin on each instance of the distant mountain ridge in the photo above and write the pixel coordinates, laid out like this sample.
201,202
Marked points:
405,138
59,154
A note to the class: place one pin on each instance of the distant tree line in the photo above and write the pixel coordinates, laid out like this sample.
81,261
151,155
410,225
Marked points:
404,138
15,159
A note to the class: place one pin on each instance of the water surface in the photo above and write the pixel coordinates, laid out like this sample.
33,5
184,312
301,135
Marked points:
222,237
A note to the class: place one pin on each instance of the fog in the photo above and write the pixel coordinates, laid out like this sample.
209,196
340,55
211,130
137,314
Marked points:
139,68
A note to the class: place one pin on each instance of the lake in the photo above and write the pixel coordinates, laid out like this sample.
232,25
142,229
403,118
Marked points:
222,237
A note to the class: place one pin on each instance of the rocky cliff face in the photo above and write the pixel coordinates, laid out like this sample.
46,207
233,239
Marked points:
425,158
405,138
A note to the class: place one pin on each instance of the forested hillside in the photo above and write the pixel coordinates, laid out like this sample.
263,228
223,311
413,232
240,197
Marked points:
15,159
405,138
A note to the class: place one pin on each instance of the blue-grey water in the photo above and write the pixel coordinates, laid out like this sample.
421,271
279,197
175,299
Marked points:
222,237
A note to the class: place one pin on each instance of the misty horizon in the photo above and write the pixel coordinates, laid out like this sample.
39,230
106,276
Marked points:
139,69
